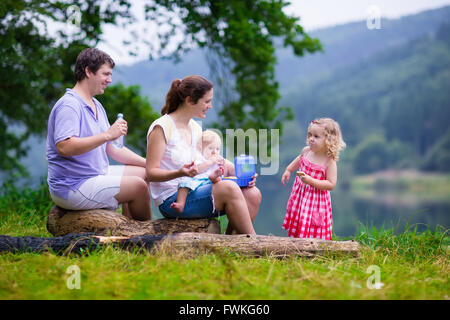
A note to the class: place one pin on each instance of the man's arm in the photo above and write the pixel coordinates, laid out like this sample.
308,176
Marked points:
74,146
125,156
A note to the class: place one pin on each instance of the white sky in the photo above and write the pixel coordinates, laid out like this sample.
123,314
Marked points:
314,15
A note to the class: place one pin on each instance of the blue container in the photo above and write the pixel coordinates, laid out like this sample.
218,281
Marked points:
245,169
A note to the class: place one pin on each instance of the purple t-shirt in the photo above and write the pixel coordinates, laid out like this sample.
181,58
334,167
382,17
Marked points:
72,117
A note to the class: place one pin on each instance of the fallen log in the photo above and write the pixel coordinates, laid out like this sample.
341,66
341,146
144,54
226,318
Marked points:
256,245
106,222
194,243
75,243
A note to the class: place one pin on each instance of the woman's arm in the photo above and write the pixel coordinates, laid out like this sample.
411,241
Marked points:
155,150
327,184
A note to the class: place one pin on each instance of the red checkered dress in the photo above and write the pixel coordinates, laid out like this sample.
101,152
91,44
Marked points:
308,212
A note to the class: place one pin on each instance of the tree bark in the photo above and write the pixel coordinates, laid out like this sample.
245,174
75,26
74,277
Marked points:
105,222
186,243
257,245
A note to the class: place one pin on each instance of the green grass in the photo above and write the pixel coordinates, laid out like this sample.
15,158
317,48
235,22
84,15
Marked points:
412,265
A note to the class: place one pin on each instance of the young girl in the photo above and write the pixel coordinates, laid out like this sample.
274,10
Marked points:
210,170
308,213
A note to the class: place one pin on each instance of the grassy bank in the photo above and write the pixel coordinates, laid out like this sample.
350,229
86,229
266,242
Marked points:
406,266
419,185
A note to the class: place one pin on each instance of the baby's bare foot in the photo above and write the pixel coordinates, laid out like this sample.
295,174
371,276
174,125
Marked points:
216,174
178,207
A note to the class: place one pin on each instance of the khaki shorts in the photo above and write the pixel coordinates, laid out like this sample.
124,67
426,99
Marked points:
95,193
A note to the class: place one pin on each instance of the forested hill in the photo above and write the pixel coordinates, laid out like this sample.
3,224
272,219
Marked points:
388,87
393,105
350,43
403,92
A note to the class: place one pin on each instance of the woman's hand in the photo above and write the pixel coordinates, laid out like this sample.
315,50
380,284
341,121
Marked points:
285,177
252,183
189,170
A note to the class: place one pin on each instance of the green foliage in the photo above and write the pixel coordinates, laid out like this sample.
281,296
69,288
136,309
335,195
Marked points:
24,211
36,67
240,35
410,244
136,110
438,157
374,153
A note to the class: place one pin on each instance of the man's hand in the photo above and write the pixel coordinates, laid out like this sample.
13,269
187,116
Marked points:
118,128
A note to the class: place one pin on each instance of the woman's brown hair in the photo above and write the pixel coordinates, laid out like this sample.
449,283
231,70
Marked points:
194,87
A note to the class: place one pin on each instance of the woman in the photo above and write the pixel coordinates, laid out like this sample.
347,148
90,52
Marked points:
172,142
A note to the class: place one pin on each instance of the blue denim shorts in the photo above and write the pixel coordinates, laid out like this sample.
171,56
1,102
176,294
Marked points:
199,204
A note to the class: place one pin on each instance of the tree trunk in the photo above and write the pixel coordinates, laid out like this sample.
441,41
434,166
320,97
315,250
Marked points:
186,243
257,245
105,222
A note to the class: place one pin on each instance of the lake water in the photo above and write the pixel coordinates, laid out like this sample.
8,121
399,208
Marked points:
350,210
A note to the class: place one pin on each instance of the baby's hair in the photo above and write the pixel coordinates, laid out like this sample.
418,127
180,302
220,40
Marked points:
208,136
333,136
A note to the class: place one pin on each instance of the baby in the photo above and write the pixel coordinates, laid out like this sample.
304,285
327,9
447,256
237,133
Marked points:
210,170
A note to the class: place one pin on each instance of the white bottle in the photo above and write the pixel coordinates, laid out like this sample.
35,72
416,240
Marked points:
118,143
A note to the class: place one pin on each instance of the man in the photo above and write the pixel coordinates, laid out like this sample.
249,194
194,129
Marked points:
79,140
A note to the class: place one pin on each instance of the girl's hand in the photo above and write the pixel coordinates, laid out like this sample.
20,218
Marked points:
285,177
189,170
305,178
300,173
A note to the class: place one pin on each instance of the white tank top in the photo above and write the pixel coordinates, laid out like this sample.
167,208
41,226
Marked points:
176,154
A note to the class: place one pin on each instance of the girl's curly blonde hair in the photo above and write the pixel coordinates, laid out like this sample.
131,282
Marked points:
333,136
